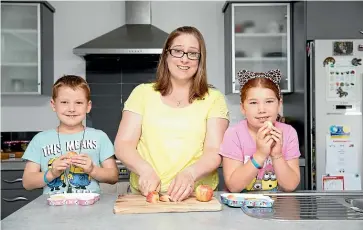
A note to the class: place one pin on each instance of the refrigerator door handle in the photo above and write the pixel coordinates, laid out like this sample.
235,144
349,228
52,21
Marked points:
311,107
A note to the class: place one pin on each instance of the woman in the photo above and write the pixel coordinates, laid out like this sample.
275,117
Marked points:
171,130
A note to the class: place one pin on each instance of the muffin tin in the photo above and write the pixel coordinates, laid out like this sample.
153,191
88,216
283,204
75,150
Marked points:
73,199
246,200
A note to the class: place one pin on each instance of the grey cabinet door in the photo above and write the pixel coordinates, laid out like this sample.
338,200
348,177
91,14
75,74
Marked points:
12,179
334,20
13,200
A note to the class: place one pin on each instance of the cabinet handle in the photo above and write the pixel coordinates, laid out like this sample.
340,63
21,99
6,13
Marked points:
15,199
361,31
13,181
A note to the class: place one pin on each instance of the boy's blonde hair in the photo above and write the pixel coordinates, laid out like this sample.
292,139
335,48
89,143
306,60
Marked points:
73,82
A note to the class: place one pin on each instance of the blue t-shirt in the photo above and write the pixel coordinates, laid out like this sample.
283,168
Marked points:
44,149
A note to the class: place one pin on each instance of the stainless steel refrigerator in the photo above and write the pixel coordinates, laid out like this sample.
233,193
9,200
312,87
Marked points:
335,114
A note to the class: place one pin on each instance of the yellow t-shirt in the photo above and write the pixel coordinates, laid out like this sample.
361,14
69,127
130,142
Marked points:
172,138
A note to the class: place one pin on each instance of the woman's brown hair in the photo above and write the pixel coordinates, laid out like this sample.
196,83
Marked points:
199,85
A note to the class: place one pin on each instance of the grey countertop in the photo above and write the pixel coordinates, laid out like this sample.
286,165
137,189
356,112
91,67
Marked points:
19,164
13,164
38,215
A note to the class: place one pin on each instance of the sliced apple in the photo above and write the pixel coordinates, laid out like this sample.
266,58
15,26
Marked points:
152,197
165,198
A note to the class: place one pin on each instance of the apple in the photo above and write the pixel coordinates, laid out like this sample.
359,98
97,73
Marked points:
165,198
204,193
152,197
269,124
71,154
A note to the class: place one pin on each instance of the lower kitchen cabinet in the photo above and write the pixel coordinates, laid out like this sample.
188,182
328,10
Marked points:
301,185
13,195
13,200
221,185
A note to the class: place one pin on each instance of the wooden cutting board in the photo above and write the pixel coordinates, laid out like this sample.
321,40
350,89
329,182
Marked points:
129,203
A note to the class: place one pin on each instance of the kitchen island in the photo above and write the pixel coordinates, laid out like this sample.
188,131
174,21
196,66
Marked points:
38,215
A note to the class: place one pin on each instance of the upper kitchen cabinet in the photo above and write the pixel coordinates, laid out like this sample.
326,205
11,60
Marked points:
27,62
257,38
334,20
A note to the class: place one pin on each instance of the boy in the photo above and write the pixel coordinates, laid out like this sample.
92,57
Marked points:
71,157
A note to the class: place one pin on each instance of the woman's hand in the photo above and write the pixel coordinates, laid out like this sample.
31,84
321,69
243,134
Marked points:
59,165
149,181
182,186
83,161
276,135
264,141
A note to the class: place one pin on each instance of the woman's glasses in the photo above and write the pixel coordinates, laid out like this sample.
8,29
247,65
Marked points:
181,53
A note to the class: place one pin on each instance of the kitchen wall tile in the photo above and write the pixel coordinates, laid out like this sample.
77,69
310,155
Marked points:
105,88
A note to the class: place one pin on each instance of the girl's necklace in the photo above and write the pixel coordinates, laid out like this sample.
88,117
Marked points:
69,190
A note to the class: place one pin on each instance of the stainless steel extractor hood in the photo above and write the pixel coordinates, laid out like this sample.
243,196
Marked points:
137,36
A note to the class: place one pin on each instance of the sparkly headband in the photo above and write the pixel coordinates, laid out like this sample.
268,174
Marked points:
243,76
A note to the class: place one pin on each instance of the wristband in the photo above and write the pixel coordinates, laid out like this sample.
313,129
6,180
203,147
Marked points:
276,157
45,177
254,162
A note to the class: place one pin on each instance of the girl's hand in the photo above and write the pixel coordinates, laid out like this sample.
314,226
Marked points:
59,165
276,135
264,141
149,181
182,186
83,161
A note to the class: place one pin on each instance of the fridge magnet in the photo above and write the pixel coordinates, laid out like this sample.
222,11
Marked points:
360,47
356,61
343,48
329,61
341,92
339,131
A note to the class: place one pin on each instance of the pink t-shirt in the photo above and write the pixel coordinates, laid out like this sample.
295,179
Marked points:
238,145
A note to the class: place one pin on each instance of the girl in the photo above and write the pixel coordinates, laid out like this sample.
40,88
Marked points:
260,153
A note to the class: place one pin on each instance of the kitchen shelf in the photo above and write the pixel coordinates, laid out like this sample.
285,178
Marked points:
255,35
259,59
19,31
19,64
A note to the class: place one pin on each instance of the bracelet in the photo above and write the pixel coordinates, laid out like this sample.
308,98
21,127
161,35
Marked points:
254,162
276,157
45,177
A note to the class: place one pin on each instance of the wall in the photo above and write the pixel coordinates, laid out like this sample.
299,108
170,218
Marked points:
76,23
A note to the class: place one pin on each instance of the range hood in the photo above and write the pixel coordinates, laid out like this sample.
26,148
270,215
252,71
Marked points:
137,36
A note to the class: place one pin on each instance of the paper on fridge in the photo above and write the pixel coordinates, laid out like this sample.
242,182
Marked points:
341,83
341,156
